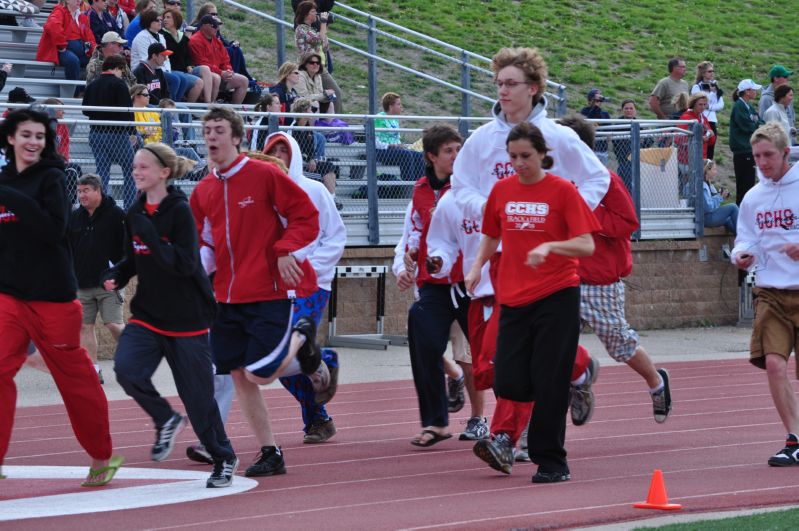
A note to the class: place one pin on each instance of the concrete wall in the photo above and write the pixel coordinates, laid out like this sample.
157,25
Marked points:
675,283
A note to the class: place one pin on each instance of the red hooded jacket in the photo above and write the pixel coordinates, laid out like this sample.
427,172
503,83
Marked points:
59,28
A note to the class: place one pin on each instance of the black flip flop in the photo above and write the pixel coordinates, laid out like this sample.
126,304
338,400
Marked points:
436,438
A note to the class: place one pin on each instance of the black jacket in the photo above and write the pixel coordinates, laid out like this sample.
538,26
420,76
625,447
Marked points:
154,80
109,91
180,60
35,259
96,240
173,292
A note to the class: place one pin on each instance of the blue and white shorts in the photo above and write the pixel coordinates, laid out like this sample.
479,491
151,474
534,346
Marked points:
602,308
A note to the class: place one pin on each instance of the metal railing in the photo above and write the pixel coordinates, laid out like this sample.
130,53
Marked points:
660,162
471,77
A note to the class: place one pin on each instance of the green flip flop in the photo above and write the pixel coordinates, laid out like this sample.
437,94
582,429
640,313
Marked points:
110,471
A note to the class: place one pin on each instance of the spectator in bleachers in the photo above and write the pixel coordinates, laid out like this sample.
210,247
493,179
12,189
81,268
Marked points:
207,49
661,100
288,76
594,110
72,170
147,134
235,53
18,95
744,120
181,83
269,103
308,141
390,149
680,105
178,42
111,44
706,82
135,24
67,39
779,75
101,21
112,144
622,147
4,71
778,112
716,214
120,13
151,75
697,104
310,83
309,40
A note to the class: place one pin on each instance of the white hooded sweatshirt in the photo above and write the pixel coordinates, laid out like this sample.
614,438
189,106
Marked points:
326,251
484,160
767,221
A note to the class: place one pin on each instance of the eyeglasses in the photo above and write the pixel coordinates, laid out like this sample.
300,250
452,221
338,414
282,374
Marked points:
312,63
145,94
510,83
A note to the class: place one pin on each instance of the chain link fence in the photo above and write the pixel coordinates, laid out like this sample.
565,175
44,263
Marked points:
371,165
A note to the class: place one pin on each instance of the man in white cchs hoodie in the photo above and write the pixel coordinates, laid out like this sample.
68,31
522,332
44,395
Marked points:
768,244
520,75
323,254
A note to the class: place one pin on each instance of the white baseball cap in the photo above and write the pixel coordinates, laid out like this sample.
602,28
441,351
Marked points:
747,84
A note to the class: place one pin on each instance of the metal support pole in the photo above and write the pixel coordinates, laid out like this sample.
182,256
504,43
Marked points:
635,163
372,81
562,102
281,33
166,127
466,82
274,123
373,222
463,127
696,162
189,10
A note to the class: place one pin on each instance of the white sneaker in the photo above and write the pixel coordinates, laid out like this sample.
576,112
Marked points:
320,379
28,22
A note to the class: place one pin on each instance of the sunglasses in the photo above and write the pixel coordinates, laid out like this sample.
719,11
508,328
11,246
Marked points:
173,3
313,63
145,94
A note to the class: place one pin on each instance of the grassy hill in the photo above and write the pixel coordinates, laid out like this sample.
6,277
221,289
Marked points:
620,47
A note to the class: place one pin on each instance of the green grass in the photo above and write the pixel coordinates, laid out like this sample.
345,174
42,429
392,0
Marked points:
618,46
772,521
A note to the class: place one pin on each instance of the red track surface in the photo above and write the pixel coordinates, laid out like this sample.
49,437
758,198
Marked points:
712,451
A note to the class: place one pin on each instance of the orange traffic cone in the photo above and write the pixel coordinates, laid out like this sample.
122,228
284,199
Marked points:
657,499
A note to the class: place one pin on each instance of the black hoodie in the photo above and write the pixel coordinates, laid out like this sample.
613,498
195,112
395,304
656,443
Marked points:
35,259
96,240
173,293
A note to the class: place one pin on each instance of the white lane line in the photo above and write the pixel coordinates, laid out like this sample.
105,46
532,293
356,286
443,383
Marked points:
182,486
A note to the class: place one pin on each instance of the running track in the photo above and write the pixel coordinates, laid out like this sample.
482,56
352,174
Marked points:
713,452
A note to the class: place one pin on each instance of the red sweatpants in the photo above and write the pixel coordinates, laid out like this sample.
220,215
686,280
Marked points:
509,417
55,328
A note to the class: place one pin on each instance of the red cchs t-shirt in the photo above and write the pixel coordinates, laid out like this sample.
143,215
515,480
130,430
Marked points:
526,215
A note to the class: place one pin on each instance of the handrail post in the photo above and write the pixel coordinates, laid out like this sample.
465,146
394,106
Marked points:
274,123
463,127
189,10
372,81
465,84
697,177
166,127
373,220
281,33
635,163
562,101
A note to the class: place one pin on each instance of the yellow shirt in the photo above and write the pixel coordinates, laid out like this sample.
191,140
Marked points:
149,133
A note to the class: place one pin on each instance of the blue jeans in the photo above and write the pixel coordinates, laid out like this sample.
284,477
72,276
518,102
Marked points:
319,142
726,215
183,82
73,59
111,145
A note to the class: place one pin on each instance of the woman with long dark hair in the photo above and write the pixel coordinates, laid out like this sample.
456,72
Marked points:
38,290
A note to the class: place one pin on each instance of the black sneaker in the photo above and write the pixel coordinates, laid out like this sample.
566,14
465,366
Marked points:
269,463
661,401
498,453
788,456
309,354
223,473
319,431
543,476
199,454
165,437
457,398
582,397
